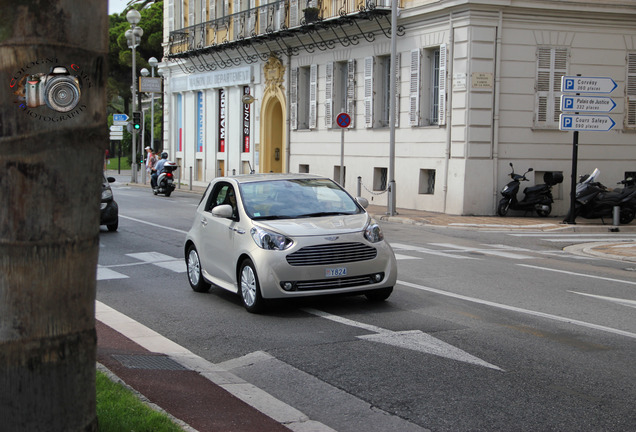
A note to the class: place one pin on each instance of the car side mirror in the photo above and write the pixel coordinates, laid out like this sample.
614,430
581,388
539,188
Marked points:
363,202
223,211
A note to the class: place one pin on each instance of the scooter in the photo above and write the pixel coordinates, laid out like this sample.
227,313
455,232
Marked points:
537,198
595,201
165,181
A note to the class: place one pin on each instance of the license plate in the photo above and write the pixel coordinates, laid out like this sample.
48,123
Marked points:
335,272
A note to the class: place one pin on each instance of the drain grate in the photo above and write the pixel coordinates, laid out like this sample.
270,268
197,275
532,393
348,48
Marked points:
148,362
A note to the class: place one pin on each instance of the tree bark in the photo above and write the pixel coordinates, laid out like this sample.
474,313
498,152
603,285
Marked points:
50,187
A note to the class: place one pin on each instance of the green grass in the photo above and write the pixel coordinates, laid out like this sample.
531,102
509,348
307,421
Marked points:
114,163
118,410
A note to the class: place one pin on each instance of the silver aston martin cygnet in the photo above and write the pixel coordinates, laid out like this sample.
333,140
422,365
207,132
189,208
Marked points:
268,236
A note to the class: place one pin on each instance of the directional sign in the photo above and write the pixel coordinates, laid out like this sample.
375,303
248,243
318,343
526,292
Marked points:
114,136
120,123
120,117
599,123
600,104
116,128
581,84
343,120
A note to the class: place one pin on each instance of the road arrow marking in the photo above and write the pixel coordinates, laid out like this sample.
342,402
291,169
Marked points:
415,340
624,302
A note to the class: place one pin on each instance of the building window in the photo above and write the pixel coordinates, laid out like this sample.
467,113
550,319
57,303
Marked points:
427,182
380,179
336,175
630,90
552,64
304,97
302,168
339,91
427,87
377,91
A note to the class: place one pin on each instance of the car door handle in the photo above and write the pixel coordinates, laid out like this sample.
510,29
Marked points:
204,222
240,231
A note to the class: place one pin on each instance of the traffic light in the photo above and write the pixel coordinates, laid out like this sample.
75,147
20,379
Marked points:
137,120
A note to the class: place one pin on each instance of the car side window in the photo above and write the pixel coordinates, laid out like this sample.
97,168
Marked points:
223,193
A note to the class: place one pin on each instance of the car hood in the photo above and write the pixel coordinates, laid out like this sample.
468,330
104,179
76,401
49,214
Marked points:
316,226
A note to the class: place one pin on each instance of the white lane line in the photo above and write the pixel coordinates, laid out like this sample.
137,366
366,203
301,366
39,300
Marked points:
104,273
578,274
153,224
415,340
401,246
406,257
248,393
624,302
520,310
503,254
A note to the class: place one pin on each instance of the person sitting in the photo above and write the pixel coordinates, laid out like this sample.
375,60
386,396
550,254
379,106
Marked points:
158,169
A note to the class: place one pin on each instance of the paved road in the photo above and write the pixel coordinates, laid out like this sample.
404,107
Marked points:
479,334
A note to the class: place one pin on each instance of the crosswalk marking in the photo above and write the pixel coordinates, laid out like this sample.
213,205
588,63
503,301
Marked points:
158,259
104,273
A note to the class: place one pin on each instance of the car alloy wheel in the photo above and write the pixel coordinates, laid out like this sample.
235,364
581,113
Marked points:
195,278
250,290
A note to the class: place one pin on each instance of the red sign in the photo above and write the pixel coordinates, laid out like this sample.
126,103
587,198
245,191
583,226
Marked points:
343,120
222,120
246,122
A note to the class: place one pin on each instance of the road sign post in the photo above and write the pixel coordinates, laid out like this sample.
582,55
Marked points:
343,120
575,122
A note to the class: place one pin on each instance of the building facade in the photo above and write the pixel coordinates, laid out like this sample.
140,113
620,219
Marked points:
258,86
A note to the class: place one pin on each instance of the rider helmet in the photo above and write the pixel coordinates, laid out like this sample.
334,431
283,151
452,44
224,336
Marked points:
164,155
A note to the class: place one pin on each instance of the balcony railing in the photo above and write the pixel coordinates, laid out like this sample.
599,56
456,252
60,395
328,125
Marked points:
279,27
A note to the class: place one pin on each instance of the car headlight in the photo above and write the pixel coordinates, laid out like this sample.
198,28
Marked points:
373,232
107,194
270,240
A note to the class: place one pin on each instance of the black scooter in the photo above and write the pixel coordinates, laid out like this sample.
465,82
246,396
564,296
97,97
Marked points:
595,201
165,181
536,198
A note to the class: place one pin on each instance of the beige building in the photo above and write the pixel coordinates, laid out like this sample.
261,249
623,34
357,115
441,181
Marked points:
257,85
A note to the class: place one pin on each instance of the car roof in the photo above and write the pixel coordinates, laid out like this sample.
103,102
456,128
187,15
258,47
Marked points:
250,178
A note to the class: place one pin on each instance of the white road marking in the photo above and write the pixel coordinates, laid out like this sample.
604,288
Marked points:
248,393
153,224
405,257
520,310
104,273
624,302
579,274
415,340
494,252
401,246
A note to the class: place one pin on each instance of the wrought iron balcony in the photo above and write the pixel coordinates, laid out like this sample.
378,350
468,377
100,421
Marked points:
281,28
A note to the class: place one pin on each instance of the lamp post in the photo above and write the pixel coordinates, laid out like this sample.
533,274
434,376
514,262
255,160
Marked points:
144,72
133,36
153,63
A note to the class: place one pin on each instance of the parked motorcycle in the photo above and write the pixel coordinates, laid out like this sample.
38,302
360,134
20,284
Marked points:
536,198
165,181
595,201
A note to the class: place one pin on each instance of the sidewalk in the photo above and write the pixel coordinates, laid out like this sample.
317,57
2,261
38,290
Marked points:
203,404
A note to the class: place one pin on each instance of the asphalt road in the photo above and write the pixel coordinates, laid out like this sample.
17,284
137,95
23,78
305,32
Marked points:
484,331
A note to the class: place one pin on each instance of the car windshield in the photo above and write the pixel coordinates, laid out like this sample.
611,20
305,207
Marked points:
296,198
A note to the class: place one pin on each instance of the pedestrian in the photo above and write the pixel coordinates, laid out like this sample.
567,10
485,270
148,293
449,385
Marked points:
151,162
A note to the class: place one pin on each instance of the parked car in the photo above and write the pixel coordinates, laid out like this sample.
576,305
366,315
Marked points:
109,211
272,236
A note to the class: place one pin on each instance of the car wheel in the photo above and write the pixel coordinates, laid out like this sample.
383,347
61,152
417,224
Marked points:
502,209
195,277
114,226
545,213
379,295
249,288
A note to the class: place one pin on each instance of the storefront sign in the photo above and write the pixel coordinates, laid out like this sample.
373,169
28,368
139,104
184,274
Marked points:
221,120
246,122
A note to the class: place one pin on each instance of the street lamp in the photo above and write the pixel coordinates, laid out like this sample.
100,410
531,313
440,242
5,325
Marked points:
153,64
133,36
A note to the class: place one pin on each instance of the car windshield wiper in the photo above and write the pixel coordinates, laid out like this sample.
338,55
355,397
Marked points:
308,215
271,217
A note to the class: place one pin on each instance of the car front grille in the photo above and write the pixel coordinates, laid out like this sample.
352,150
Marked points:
336,283
331,254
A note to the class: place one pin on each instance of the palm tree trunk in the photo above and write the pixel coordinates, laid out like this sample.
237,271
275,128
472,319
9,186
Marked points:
50,183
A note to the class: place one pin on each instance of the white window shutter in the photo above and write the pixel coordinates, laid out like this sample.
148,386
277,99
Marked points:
313,96
630,89
441,114
414,88
204,11
397,89
329,94
262,20
293,13
293,99
368,91
212,10
351,91
170,15
551,66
